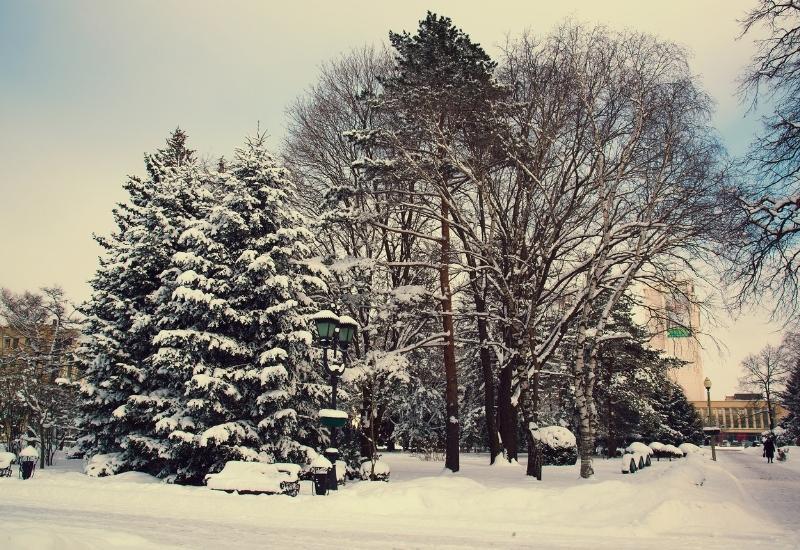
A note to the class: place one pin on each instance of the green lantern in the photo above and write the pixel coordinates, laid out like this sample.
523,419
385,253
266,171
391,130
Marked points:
347,330
326,322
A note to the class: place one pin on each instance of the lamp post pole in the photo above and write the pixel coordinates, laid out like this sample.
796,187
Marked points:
711,437
337,333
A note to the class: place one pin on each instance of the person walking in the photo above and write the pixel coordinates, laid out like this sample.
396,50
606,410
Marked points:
769,449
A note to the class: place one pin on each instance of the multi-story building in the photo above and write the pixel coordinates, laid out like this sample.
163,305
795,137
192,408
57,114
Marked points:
674,321
741,417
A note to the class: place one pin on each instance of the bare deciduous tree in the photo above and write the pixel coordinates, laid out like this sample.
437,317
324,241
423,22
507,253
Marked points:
42,364
765,373
768,258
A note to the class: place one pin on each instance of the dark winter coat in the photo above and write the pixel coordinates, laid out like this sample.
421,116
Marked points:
769,448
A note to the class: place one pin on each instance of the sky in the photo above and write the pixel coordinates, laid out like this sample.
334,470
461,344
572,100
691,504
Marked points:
87,87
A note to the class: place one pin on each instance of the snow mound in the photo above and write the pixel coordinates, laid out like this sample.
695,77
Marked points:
332,413
656,446
139,478
321,462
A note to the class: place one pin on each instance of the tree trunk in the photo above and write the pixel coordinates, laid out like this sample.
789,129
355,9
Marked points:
583,397
485,358
506,415
366,445
534,452
451,381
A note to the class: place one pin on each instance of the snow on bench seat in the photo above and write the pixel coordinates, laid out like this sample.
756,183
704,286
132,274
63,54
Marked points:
6,459
255,477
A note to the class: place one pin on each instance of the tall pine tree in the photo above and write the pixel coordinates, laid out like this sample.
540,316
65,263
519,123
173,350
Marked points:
117,392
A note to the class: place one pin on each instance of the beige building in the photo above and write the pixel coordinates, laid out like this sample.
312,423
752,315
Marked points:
674,319
740,417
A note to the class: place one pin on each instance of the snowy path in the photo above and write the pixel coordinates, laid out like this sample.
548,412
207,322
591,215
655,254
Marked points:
774,487
688,503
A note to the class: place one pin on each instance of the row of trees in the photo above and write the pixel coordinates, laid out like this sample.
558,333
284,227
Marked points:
526,196
38,401
774,375
486,222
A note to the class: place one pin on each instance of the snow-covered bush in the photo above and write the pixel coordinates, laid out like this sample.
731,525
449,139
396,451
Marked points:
672,451
688,448
639,447
377,470
104,465
557,444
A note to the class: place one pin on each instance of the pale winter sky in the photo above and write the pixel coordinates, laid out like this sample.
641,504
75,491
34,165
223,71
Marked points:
86,87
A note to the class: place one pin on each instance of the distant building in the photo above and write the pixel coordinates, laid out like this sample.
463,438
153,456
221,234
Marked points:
14,347
741,417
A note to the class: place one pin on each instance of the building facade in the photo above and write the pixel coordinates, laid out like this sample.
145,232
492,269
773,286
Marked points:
741,417
674,321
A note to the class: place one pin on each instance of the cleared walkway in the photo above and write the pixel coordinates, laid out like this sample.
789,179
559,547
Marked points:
774,487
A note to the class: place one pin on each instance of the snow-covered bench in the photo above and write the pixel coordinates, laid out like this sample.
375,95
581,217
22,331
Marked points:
6,459
256,478
636,457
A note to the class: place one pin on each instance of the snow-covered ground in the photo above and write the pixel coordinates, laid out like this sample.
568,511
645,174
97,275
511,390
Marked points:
688,503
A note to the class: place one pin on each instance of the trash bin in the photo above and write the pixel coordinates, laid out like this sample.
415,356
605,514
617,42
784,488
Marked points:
27,464
320,477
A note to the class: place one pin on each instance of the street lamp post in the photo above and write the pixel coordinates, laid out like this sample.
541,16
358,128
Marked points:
707,384
334,333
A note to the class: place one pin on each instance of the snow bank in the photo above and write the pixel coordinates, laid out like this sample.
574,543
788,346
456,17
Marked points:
39,536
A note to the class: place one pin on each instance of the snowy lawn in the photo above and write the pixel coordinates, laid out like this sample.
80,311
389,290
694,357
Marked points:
691,502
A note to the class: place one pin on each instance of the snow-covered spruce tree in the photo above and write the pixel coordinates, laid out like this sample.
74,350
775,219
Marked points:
119,400
790,395
636,399
234,339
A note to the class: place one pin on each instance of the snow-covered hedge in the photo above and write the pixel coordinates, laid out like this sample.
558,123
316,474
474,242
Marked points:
639,447
688,448
557,444
672,451
103,465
